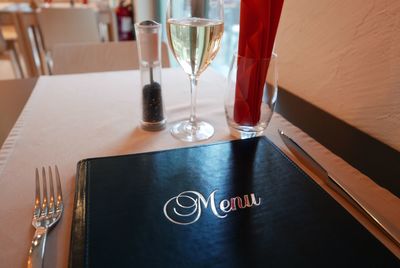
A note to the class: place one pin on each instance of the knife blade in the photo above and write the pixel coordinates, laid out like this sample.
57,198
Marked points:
391,232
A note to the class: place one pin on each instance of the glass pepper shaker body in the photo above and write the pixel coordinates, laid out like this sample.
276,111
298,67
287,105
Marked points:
148,34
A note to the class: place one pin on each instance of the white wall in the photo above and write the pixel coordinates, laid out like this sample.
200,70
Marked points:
344,57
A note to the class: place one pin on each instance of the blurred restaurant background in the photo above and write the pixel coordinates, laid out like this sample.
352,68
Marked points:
115,24
341,56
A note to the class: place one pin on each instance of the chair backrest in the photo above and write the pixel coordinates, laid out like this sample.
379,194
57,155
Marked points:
68,25
99,57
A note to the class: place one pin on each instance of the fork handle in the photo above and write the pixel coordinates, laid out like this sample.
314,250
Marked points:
36,252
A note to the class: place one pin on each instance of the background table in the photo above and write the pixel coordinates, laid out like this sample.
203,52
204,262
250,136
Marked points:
72,117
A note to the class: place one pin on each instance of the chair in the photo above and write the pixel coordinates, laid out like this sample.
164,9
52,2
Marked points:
110,56
13,96
22,29
33,51
67,26
10,44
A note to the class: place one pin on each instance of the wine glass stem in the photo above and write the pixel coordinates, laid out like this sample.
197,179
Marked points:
193,95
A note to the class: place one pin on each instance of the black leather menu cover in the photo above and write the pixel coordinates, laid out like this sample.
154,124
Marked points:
233,204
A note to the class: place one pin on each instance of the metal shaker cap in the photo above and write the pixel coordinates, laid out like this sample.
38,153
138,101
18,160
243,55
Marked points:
148,35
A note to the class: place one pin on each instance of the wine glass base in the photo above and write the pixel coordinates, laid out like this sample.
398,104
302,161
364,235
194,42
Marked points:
192,132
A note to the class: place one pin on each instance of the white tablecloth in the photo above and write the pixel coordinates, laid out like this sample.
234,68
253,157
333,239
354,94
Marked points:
72,117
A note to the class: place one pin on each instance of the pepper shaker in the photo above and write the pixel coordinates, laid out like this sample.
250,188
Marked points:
148,34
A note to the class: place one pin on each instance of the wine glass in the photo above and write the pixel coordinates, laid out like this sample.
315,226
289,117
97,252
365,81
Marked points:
194,30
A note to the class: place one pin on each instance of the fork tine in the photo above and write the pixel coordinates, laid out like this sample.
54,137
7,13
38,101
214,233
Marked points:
51,203
36,211
44,202
59,192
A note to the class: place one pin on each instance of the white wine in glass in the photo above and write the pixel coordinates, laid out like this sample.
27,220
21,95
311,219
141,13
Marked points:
194,30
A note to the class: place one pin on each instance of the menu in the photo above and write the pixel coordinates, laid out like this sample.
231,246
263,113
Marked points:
240,203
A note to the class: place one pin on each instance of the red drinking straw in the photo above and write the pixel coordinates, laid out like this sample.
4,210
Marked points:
259,21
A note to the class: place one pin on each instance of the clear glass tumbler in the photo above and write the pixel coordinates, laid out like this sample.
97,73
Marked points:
259,106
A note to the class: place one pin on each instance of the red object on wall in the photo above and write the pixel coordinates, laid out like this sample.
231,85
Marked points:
259,21
124,15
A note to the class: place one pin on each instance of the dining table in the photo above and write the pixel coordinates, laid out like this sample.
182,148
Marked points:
73,117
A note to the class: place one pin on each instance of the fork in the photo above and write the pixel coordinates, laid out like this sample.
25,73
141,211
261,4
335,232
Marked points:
46,213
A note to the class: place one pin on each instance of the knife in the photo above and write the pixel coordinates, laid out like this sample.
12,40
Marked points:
392,233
